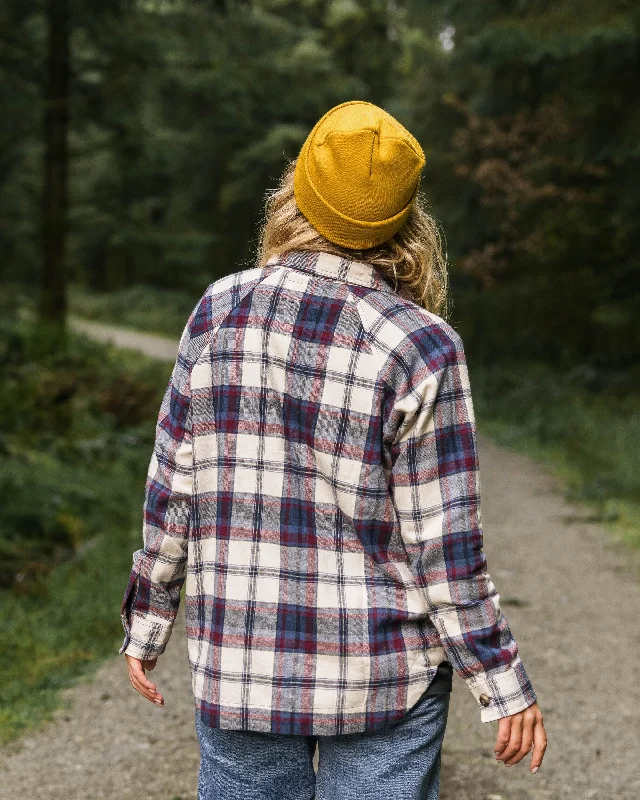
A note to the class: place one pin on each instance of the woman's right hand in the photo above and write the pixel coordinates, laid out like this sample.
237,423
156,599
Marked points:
139,680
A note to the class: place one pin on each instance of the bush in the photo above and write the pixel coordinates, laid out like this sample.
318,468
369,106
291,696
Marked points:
76,428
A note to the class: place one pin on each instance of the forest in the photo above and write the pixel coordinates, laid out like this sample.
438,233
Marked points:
140,140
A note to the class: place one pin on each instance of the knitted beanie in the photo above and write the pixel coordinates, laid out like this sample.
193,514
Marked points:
357,175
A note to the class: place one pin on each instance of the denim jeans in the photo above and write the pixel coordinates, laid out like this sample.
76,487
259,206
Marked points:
401,761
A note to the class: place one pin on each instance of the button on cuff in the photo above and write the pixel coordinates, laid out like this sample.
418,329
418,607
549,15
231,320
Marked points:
501,692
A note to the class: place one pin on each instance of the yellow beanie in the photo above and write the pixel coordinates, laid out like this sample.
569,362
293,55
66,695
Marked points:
357,175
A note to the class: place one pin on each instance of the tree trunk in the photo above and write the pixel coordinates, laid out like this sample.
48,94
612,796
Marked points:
55,201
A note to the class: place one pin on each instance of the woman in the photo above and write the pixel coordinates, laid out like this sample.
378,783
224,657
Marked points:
315,481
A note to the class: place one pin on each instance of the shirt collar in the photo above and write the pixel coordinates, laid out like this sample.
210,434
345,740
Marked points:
333,266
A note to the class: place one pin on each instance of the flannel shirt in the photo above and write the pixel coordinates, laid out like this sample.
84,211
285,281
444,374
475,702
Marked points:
315,481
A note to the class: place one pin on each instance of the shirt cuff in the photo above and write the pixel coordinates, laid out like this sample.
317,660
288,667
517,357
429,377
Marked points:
502,692
146,636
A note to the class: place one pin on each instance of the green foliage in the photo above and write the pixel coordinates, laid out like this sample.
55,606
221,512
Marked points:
76,428
184,114
589,438
76,433
534,182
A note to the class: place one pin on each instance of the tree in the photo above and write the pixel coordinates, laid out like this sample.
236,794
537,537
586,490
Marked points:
535,179
55,199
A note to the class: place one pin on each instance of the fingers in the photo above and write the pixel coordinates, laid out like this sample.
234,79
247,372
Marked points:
141,683
150,695
515,739
504,732
539,744
528,722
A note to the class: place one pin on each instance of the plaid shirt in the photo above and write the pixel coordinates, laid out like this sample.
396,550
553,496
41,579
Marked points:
315,481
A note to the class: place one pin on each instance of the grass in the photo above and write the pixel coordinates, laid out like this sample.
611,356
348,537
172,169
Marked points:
61,630
76,433
589,439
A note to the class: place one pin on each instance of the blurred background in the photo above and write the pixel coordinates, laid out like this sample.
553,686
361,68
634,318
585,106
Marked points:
138,142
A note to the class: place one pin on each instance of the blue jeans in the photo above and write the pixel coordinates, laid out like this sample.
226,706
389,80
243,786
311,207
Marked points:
401,761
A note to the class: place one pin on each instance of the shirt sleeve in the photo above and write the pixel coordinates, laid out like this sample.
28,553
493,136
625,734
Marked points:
436,490
152,596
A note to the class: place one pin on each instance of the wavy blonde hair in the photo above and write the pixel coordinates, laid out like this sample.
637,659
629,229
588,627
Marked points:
413,259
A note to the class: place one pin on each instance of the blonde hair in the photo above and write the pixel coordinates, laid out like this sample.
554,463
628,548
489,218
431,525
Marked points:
413,259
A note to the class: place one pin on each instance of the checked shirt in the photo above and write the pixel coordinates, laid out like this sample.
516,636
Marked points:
314,486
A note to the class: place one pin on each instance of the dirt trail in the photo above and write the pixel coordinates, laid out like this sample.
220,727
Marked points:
148,343
572,598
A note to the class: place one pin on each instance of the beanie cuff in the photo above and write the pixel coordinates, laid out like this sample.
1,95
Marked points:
337,227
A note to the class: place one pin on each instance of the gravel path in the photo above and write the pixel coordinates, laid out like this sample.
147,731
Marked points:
156,346
572,598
